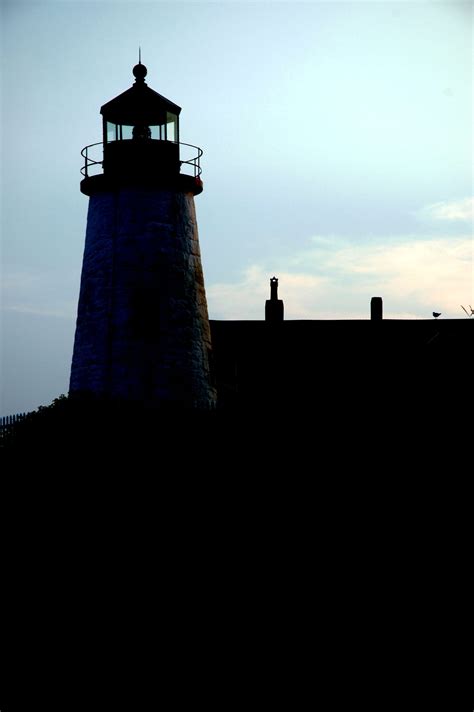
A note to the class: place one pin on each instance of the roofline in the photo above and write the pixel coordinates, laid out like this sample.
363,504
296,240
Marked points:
166,102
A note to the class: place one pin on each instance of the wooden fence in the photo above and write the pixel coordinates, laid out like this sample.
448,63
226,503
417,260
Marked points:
8,422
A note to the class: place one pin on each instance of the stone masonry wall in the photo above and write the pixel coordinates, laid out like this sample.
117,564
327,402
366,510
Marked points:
142,327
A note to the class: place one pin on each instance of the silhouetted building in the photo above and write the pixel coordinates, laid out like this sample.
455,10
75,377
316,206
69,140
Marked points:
325,366
142,329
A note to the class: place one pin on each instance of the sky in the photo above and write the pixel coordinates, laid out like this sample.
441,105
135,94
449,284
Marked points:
337,142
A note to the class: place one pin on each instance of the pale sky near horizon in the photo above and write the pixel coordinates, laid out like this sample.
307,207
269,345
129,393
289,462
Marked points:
337,142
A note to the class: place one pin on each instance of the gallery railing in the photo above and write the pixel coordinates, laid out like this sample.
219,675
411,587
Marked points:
94,159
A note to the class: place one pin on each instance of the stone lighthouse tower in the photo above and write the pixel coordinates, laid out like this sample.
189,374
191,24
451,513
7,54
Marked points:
142,331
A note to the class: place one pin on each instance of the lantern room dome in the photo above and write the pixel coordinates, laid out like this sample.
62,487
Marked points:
139,105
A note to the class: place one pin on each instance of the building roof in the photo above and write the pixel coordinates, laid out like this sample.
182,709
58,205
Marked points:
259,364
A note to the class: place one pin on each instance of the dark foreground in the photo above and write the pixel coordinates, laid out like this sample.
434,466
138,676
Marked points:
273,556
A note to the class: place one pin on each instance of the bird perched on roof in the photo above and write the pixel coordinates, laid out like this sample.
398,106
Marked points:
436,314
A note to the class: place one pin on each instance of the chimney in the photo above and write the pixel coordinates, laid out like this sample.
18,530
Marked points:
376,309
274,306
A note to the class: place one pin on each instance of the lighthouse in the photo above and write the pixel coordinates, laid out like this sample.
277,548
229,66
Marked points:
142,331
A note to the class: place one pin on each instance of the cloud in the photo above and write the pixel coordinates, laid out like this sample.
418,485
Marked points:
246,299
334,279
66,311
449,210
41,293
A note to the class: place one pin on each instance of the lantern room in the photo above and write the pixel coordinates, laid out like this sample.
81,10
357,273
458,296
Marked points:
141,143
140,113
140,131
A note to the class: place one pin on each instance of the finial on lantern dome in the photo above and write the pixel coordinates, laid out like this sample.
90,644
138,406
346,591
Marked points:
139,70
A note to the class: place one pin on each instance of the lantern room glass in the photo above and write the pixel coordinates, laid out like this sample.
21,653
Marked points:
167,131
171,127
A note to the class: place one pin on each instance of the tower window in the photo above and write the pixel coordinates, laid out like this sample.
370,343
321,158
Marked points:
111,132
171,127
